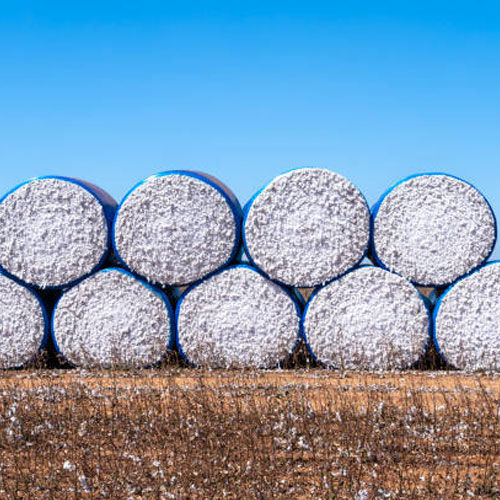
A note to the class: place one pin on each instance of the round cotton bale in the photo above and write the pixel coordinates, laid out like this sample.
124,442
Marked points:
369,319
467,321
307,227
23,324
112,319
237,318
432,229
54,231
176,227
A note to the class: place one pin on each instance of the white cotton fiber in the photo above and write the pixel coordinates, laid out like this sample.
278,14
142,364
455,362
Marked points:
467,321
306,227
176,227
433,229
237,318
369,319
22,324
112,319
53,231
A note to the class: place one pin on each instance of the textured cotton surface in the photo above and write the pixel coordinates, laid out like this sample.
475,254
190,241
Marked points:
52,232
111,319
467,322
307,226
22,324
369,319
433,229
174,229
237,318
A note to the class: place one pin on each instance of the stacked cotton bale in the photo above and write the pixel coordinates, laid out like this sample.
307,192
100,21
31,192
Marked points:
237,318
432,229
307,227
112,319
23,324
467,321
369,319
54,231
177,227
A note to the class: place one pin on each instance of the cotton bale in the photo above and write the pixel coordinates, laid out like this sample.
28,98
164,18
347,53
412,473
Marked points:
23,324
54,231
369,319
432,229
467,321
112,319
237,318
176,227
306,227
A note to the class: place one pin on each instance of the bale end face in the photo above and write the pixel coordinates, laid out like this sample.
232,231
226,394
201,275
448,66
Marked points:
467,321
432,229
112,319
306,227
369,319
237,318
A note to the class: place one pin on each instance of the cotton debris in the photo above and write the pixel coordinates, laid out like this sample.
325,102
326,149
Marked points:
112,319
307,227
369,319
237,318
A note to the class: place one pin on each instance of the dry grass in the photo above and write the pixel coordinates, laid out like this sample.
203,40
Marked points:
173,433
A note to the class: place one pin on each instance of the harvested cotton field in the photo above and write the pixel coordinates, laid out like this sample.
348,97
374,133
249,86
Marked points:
176,227
432,229
23,324
193,434
369,319
54,231
467,321
306,227
237,318
112,319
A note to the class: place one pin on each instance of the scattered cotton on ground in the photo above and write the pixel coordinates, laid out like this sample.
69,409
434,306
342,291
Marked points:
22,324
433,229
369,319
52,232
467,322
307,226
175,229
237,318
112,319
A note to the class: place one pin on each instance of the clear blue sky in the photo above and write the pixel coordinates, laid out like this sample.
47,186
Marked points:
114,91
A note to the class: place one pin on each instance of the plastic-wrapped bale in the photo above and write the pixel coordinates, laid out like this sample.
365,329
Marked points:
112,319
54,231
369,319
237,318
23,324
176,227
467,321
432,229
307,227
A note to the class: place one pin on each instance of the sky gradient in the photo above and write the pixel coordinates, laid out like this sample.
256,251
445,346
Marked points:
375,91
